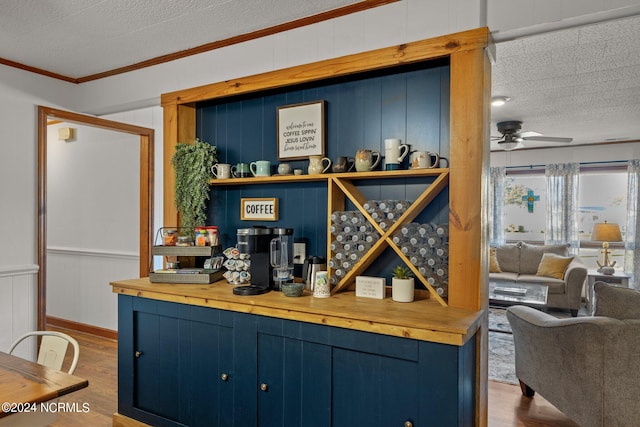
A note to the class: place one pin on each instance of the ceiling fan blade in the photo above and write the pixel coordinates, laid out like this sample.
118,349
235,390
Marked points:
530,133
547,139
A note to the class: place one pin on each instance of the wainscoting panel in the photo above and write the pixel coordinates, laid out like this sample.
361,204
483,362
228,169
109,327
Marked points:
18,307
78,284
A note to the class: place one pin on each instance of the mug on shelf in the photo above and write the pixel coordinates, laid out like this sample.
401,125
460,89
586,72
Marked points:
343,164
241,170
260,168
221,170
424,160
364,160
394,151
317,165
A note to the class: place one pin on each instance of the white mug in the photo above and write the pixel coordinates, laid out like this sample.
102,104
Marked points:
221,170
424,160
394,151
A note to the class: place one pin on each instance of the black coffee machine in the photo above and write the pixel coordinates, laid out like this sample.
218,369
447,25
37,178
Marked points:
256,241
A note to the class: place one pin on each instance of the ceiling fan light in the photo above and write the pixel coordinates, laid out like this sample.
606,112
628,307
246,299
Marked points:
508,146
499,101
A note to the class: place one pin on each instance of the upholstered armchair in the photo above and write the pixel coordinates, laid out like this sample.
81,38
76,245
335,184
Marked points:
587,367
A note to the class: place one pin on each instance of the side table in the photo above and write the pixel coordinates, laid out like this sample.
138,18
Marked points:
617,279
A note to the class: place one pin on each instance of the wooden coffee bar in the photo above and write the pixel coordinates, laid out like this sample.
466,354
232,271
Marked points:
196,354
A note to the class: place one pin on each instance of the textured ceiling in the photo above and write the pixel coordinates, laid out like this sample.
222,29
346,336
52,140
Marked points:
583,82
78,38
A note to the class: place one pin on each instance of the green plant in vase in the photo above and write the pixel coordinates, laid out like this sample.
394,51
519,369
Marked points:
402,284
192,167
402,272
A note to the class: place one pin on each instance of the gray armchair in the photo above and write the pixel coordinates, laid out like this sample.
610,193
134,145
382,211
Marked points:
587,367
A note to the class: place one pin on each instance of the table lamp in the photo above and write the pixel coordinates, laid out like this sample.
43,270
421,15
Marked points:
605,232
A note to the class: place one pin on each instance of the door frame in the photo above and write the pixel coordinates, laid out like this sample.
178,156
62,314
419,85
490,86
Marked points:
146,191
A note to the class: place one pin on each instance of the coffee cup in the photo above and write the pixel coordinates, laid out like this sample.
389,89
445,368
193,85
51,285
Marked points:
364,160
424,160
241,170
394,151
284,169
260,168
343,164
221,170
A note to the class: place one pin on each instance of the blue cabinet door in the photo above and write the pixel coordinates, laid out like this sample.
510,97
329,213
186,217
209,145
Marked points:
294,377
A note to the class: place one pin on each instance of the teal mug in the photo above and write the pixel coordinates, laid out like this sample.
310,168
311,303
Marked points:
241,170
260,168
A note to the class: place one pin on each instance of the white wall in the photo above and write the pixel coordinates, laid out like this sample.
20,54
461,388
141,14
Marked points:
404,21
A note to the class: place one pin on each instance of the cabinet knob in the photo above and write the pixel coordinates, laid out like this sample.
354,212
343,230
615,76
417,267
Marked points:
408,424
137,354
264,387
224,377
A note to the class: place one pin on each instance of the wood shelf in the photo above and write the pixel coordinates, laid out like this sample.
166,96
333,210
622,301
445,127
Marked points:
287,179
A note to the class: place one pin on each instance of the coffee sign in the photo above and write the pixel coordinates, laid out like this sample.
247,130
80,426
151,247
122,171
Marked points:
259,209
301,131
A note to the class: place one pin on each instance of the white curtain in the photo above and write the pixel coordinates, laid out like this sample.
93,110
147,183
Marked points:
496,216
562,204
632,238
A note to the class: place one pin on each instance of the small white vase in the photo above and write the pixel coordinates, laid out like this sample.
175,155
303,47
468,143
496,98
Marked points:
402,289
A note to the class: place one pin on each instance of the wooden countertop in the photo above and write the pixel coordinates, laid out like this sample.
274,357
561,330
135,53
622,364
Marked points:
423,319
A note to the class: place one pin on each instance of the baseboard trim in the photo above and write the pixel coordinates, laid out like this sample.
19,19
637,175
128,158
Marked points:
82,327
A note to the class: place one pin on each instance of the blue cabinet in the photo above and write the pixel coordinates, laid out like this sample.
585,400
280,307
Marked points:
188,365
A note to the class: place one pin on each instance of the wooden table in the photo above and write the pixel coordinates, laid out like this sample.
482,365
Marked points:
26,382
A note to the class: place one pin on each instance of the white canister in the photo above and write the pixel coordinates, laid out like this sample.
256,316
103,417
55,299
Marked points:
322,288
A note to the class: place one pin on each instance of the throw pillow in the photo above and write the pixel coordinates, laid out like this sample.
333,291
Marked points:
494,265
552,265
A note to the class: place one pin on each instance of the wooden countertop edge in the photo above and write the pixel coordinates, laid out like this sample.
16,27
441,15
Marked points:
450,334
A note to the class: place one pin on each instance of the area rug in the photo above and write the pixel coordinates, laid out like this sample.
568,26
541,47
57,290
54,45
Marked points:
502,362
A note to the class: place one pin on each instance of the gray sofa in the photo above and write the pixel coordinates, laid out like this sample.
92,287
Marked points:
587,367
519,262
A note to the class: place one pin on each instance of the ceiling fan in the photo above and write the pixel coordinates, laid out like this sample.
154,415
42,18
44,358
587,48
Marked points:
512,138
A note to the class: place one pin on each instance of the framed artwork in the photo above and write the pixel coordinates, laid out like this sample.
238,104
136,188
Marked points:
301,130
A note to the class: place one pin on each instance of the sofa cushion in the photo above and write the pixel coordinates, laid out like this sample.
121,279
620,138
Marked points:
508,257
615,301
494,265
556,286
504,276
531,255
552,265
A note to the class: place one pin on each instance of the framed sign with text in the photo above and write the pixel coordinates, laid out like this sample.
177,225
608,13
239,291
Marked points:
301,130
259,209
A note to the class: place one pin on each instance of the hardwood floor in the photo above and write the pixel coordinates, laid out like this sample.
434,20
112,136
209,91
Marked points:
98,364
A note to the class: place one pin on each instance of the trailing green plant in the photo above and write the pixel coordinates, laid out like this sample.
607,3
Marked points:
402,272
192,166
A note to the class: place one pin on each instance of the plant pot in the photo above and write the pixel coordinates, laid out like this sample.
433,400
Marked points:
402,289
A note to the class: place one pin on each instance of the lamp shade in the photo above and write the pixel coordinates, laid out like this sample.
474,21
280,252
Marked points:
606,232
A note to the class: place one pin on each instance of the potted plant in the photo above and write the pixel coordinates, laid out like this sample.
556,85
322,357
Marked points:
192,166
402,284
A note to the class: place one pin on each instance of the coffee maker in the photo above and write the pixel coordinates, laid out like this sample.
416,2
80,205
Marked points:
256,242
282,256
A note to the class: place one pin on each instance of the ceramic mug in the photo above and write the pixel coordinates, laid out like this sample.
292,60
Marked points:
394,151
424,160
260,168
221,170
241,170
284,169
317,165
364,160
343,164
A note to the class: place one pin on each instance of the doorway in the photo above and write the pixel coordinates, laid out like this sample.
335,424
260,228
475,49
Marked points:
146,141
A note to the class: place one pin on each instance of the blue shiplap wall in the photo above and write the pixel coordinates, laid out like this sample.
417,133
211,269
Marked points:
410,103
